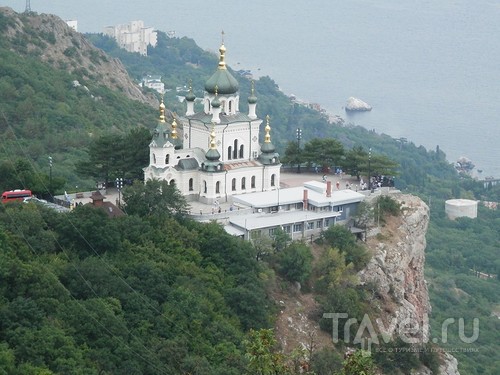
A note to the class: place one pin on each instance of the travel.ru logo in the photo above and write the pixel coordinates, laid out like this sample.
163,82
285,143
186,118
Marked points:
410,331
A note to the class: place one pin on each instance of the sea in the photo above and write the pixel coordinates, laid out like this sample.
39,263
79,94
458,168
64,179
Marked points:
429,69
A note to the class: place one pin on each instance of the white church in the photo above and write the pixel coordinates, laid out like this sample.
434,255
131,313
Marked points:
216,153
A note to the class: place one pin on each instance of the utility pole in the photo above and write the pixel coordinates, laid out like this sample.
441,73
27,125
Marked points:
50,175
369,171
119,187
299,137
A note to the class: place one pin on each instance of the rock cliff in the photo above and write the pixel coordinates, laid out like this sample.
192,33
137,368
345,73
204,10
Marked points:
397,268
49,38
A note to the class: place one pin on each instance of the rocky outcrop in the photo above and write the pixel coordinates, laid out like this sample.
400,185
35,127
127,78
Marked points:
450,365
397,270
54,42
357,105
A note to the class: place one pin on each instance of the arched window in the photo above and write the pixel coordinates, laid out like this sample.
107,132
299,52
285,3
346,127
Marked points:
233,184
172,182
190,184
241,152
205,187
217,187
252,182
273,178
167,159
229,153
230,106
154,159
243,183
235,150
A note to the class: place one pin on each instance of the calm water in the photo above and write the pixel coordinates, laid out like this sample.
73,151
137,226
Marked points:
430,69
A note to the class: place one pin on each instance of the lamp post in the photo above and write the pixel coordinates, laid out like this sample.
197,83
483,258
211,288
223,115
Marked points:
299,137
369,172
50,176
119,186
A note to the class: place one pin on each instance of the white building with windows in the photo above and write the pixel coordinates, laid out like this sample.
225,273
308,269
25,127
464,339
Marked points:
153,82
217,153
133,36
301,211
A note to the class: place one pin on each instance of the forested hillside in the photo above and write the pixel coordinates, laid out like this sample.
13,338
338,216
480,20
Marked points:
84,294
47,109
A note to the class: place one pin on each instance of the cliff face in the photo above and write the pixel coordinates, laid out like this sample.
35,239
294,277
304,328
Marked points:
50,39
397,268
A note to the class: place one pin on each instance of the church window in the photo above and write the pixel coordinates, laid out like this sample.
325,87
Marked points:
252,182
243,183
235,150
273,178
154,159
233,184
172,182
190,184
230,106
217,187
205,187
241,152
229,153
167,159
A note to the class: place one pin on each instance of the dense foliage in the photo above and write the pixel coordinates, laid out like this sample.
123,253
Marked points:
81,293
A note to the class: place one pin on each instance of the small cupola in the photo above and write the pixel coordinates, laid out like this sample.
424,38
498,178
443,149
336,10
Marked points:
269,154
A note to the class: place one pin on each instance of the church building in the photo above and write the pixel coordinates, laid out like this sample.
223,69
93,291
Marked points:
216,153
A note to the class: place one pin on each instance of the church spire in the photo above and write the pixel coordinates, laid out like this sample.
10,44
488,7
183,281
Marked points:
173,134
267,138
212,154
222,52
269,155
162,110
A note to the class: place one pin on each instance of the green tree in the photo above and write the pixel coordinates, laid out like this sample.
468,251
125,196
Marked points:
355,161
281,239
295,262
117,155
326,152
358,363
155,199
263,358
341,238
292,155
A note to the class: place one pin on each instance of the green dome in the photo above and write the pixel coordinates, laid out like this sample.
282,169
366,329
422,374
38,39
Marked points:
216,102
267,148
212,154
225,83
190,97
252,99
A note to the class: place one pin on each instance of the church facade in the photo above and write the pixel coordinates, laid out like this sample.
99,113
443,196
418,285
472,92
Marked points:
216,153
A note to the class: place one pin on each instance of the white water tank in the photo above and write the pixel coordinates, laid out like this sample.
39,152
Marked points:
460,208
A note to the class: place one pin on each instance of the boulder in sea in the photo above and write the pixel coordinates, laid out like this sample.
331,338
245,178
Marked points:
355,104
